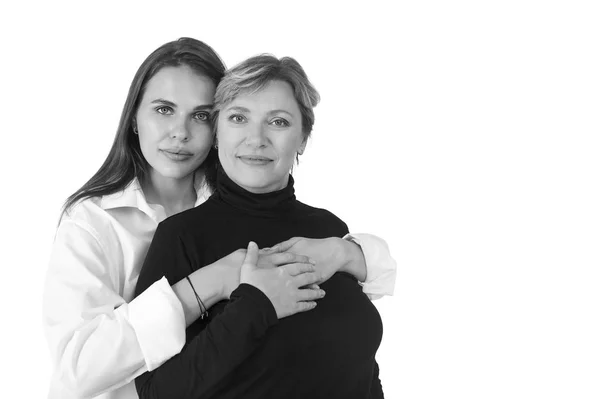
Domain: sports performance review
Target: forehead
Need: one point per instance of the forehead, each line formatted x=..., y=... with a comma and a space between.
x=180, y=84
x=275, y=95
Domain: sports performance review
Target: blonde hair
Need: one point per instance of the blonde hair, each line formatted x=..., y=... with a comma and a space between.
x=255, y=73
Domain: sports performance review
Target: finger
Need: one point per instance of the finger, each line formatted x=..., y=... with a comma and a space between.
x=305, y=306
x=286, y=245
x=313, y=286
x=267, y=251
x=304, y=279
x=310, y=295
x=288, y=257
x=295, y=269
x=251, y=254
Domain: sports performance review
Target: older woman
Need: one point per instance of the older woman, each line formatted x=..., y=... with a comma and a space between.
x=263, y=117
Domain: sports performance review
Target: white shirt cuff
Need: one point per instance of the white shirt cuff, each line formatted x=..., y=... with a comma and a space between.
x=158, y=320
x=381, y=267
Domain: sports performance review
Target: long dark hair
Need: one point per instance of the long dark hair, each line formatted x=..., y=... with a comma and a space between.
x=125, y=160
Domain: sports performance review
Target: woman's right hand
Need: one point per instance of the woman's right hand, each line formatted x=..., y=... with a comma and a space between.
x=290, y=287
x=229, y=267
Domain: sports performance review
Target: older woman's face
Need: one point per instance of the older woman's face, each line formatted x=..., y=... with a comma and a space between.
x=259, y=135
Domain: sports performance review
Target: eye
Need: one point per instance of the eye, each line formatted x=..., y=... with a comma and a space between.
x=164, y=110
x=280, y=122
x=201, y=116
x=237, y=118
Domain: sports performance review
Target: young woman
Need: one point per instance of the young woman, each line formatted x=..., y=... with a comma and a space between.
x=101, y=338
x=263, y=117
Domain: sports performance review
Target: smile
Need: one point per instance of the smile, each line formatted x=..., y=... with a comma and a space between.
x=255, y=160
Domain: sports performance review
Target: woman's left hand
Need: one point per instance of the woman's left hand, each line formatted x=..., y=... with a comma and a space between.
x=330, y=255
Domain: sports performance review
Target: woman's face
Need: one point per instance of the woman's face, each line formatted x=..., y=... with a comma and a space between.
x=259, y=135
x=173, y=122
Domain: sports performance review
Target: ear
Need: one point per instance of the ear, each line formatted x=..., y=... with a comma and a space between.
x=302, y=146
x=215, y=131
x=216, y=137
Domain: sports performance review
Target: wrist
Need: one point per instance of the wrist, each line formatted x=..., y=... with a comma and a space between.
x=222, y=276
x=226, y=272
x=354, y=260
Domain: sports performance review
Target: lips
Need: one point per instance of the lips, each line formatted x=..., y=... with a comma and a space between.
x=177, y=151
x=177, y=155
x=255, y=160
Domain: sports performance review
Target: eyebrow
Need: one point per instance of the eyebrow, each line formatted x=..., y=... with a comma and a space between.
x=172, y=104
x=244, y=109
x=237, y=108
x=276, y=111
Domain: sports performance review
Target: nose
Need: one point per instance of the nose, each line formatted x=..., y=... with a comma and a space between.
x=256, y=136
x=180, y=130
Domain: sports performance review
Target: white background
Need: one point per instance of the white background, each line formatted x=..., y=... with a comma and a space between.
x=465, y=133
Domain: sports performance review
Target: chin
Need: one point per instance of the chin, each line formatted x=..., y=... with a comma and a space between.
x=175, y=173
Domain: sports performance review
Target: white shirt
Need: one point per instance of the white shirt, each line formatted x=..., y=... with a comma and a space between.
x=100, y=338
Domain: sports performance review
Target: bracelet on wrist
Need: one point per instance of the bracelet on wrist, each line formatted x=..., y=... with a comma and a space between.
x=203, y=310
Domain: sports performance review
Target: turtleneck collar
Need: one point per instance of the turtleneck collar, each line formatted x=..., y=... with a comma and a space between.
x=266, y=204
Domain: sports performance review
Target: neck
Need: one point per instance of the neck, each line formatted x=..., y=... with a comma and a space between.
x=174, y=195
x=268, y=204
x=265, y=189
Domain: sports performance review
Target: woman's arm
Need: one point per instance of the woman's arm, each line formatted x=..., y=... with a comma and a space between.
x=381, y=267
x=215, y=352
x=365, y=256
x=212, y=283
x=217, y=281
x=223, y=343
x=98, y=342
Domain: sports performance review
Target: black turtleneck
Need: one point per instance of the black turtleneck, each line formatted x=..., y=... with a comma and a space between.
x=242, y=350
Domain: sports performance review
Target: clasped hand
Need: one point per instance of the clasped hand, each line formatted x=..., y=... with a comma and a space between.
x=287, y=279
x=328, y=254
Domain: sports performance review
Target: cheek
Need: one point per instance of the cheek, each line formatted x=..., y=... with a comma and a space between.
x=149, y=131
x=145, y=141
x=227, y=139
x=202, y=134
x=289, y=149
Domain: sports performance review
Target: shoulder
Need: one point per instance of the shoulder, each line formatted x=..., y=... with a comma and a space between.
x=87, y=215
x=87, y=230
x=105, y=217
x=324, y=215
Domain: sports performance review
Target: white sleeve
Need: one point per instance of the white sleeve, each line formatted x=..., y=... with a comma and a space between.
x=97, y=341
x=381, y=267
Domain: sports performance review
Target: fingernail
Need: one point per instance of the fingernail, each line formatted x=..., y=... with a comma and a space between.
x=311, y=261
x=322, y=293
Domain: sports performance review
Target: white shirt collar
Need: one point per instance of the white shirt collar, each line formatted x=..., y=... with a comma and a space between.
x=133, y=196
